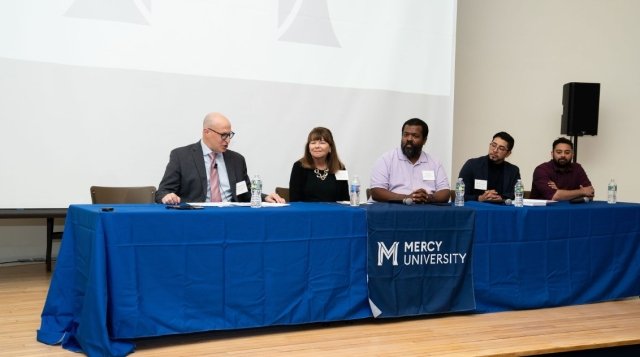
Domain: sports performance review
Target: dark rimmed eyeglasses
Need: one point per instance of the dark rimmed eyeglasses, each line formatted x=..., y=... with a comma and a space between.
x=224, y=136
x=495, y=146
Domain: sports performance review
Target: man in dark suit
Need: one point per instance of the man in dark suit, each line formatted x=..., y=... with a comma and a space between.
x=187, y=177
x=490, y=177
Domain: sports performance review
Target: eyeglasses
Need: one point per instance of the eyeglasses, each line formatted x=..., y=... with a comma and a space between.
x=500, y=148
x=224, y=136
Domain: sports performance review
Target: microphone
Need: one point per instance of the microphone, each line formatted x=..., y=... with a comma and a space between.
x=405, y=201
x=508, y=202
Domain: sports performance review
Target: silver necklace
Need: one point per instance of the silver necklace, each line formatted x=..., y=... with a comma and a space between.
x=322, y=175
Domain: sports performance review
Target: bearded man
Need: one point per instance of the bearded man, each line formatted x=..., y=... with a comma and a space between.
x=407, y=173
x=559, y=179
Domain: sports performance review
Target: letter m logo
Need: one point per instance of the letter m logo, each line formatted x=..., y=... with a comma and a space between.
x=392, y=253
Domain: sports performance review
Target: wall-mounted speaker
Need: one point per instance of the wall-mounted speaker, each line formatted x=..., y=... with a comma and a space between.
x=581, y=103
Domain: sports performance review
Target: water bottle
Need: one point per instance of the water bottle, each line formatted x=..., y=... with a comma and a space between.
x=459, y=202
x=612, y=192
x=256, y=192
x=354, y=192
x=518, y=191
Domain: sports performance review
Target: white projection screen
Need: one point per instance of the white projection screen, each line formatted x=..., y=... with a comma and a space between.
x=96, y=92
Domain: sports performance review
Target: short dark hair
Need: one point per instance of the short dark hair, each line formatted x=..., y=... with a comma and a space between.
x=561, y=140
x=506, y=137
x=417, y=122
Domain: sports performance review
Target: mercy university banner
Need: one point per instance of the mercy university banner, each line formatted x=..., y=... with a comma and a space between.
x=419, y=259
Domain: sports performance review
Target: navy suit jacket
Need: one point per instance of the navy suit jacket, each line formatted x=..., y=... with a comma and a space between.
x=186, y=175
x=478, y=169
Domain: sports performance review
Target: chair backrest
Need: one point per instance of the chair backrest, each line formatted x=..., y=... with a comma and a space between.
x=283, y=192
x=142, y=194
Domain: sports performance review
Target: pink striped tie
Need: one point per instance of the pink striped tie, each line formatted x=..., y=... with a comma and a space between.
x=214, y=180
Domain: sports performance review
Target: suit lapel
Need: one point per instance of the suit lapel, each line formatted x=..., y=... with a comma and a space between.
x=231, y=174
x=198, y=158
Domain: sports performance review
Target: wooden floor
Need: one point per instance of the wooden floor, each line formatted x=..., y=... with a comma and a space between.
x=23, y=291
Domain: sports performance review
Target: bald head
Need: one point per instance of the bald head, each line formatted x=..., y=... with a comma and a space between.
x=215, y=119
x=213, y=127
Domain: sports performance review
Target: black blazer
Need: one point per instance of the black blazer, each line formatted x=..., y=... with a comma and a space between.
x=186, y=175
x=478, y=168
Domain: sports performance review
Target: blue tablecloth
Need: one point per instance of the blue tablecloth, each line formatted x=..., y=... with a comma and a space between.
x=143, y=270
x=561, y=254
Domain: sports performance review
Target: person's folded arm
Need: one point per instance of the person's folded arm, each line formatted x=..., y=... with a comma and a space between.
x=442, y=196
x=541, y=184
x=566, y=195
x=380, y=194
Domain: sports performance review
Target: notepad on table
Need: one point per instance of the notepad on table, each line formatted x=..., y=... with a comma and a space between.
x=535, y=202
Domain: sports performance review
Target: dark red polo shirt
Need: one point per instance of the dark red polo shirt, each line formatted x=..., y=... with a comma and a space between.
x=566, y=178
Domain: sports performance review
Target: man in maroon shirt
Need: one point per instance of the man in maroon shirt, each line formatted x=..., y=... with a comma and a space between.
x=559, y=179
